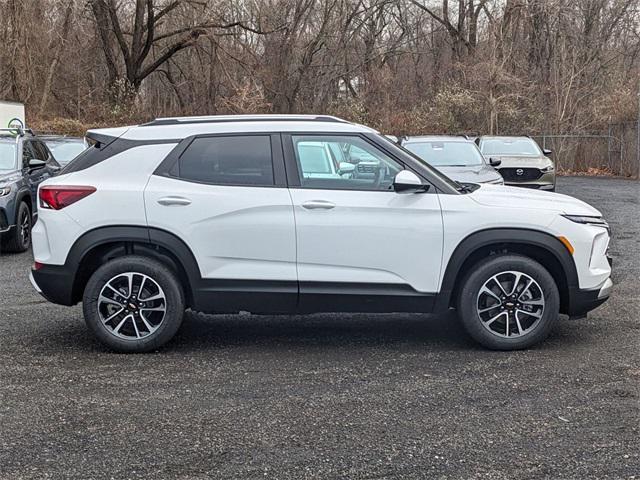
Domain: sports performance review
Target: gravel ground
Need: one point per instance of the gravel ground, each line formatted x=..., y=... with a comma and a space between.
x=327, y=396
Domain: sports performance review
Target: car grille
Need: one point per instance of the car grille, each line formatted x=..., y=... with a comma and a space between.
x=520, y=174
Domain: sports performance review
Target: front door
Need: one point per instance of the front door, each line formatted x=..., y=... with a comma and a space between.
x=361, y=246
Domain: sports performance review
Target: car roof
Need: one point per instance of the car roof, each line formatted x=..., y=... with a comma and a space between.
x=506, y=137
x=182, y=127
x=436, y=138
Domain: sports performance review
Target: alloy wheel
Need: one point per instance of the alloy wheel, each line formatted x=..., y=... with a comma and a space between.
x=510, y=304
x=132, y=306
x=25, y=228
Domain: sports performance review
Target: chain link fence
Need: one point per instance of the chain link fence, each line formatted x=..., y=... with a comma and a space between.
x=614, y=152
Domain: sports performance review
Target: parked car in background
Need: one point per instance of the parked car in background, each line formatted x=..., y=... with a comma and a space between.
x=25, y=161
x=65, y=148
x=228, y=213
x=522, y=162
x=455, y=156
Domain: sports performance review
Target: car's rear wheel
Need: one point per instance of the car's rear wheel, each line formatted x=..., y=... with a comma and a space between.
x=133, y=304
x=19, y=238
x=508, y=302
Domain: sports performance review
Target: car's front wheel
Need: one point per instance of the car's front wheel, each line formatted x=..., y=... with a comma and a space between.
x=133, y=304
x=508, y=302
x=19, y=238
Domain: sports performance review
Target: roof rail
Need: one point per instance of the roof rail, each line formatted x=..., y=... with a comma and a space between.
x=242, y=118
x=19, y=130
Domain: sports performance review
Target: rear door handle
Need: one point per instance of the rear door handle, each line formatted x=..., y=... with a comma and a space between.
x=318, y=205
x=174, y=201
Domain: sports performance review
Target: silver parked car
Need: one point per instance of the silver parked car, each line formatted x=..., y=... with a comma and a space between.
x=65, y=148
x=522, y=162
x=455, y=156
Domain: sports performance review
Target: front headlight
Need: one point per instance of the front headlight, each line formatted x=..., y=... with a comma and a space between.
x=547, y=169
x=5, y=191
x=588, y=220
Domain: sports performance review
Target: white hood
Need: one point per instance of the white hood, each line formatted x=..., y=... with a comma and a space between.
x=518, y=197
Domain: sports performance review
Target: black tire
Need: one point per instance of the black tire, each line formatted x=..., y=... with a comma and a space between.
x=162, y=276
x=467, y=303
x=18, y=239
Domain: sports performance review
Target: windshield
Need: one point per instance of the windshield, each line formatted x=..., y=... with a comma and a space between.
x=447, y=154
x=64, y=152
x=510, y=146
x=7, y=156
x=434, y=171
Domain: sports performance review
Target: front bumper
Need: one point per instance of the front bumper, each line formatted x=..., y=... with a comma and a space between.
x=583, y=301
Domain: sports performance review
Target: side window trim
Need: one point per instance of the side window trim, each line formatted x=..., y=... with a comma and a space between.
x=170, y=166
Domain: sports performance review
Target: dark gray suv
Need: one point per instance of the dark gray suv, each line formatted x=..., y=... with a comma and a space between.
x=25, y=161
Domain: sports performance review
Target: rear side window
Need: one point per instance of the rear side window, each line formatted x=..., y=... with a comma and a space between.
x=232, y=160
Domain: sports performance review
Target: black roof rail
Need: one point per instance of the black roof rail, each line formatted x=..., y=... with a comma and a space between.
x=19, y=131
x=241, y=118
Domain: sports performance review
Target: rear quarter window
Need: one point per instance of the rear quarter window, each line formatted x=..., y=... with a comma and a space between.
x=228, y=160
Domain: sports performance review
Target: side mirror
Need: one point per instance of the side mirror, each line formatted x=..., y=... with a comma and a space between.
x=35, y=164
x=495, y=162
x=547, y=152
x=346, y=167
x=408, y=182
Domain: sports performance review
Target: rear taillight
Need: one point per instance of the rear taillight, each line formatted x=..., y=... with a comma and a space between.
x=37, y=266
x=56, y=197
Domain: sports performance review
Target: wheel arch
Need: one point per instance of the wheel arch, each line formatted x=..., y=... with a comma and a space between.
x=104, y=243
x=542, y=247
x=23, y=196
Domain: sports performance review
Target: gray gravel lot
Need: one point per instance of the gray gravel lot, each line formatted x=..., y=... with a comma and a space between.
x=327, y=396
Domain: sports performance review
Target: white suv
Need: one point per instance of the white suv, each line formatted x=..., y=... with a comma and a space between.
x=217, y=214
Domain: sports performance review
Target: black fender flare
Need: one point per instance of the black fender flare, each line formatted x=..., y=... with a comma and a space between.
x=503, y=237
x=145, y=239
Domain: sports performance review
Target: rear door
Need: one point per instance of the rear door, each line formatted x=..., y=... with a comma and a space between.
x=225, y=196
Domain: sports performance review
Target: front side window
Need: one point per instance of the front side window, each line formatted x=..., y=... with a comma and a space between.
x=343, y=162
x=232, y=160
x=510, y=146
x=447, y=154
x=27, y=154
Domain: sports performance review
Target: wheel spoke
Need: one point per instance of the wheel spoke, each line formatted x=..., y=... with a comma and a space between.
x=111, y=317
x=518, y=276
x=155, y=297
x=484, y=310
x=495, y=279
x=147, y=324
x=102, y=298
x=532, y=314
x=518, y=324
x=152, y=309
x=135, y=326
x=117, y=329
x=488, y=291
x=130, y=283
x=493, y=319
x=539, y=302
x=117, y=292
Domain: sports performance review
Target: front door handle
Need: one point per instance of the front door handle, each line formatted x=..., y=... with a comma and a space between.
x=318, y=205
x=174, y=201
